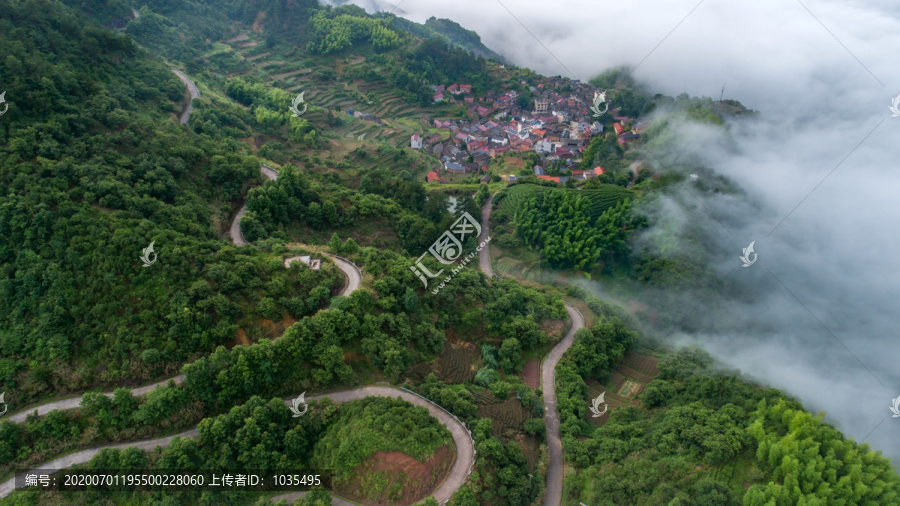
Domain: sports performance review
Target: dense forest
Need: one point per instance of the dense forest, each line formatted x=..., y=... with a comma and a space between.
x=96, y=166
x=703, y=436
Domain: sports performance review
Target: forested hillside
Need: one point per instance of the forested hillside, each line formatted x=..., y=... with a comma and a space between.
x=96, y=166
x=695, y=433
x=96, y=170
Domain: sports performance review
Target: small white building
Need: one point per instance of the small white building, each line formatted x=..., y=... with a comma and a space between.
x=415, y=142
x=312, y=263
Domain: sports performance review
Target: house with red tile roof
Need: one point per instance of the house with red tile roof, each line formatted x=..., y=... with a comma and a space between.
x=618, y=128
x=465, y=88
x=453, y=88
x=432, y=176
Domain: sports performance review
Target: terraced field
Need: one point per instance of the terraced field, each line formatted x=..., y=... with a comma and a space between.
x=613, y=401
x=485, y=397
x=630, y=373
x=643, y=363
x=294, y=74
x=625, y=383
x=508, y=414
x=600, y=199
x=458, y=363
x=509, y=267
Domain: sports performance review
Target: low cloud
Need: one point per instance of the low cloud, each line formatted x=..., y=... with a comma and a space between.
x=820, y=317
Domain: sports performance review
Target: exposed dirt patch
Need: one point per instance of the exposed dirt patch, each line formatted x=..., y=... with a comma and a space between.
x=531, y=373
x=396, y=478
x=554, y=329
x=352, y=357
x=514, y=163
x=240, y=38
x=267, y=329
x=257, y=23
x=241, y=338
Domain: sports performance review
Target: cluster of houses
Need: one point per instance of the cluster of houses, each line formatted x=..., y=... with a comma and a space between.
x=559, y=127
x=452, y=90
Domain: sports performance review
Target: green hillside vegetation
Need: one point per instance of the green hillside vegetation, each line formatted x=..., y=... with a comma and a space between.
x=568, y=228
x=378, y=424
x=449, y=31
x=393, y=327
x=95, y=170
x=96, y=166
x=703, y=436
x=258, y=434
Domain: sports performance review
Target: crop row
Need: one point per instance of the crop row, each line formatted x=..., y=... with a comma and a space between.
x=457, y=363
x=630, y=373
x=485, y=397
x=642, y=363
x=507, y=415
x=599, y=199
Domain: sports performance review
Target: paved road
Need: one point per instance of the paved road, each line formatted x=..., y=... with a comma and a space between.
x=350, y=270
x=553, y=495
x=192, y=89
x=354, y=275
x=484, y=257
x=236, y=236
x=85, y=455
x=462, y=466
x=75, y=402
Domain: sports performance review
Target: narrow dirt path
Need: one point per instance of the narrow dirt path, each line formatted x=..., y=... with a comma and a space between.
x=192, y=89
x=553, y=494
x=462, y=466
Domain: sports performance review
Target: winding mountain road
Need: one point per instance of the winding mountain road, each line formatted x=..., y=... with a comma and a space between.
x=553, y=493
x=462, y=466
x=350, y=270
x=75, y=402
x=353, y=273
x=237, y=237
x=192, y=89
x=464, y=446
